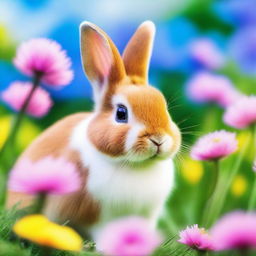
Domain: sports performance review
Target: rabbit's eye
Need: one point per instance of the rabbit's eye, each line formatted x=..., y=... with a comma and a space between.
x=121, y=114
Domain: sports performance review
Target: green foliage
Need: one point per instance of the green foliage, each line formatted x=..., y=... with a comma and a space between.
x=11, y=249
x=11, y=245
x=187, y=204
x=200, y=12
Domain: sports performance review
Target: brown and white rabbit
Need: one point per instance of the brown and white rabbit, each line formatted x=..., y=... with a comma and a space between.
x=124, y=148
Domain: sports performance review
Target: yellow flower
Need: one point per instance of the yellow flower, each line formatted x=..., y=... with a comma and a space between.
x=243, y=138
x=4, y=36
x=239, y=186
x=7, y=43
x=28, y=131
x=4, y=129
x=40, y=230
x=192, y=170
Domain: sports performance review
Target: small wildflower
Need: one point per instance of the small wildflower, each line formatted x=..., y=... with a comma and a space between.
x=28, y=132
x=214, y=146
x=45, y=57
x=40, y=230
x=239, y=186
x=196, y=238
x=17, y=93
x=128, y=237
x=241, y=113
x=49, y=175
x=207, y=53
x=205, y=87
x=192, y=170
x=254, y=166
x=236, y=230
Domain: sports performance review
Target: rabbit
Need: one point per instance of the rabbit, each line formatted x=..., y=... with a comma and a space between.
x=123, y=149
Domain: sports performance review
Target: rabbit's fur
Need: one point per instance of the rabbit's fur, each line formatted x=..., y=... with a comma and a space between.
x=125, y=165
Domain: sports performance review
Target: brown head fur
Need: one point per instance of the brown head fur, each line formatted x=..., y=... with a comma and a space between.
x=112, y=75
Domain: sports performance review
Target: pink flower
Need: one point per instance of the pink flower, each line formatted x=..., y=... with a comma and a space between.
x=241, y=113
x=206, y=87
x=128, y=237
x=206, y=52
x=48, y=175
x=214, y=146
x=197, y=238
x=18, y=92
x=236, y=230
x=254, y=166
x=46, y=57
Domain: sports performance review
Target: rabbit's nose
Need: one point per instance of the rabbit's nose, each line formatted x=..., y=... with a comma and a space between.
x=156, y=142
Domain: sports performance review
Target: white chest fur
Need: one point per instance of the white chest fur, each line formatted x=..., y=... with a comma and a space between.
x=123, y=190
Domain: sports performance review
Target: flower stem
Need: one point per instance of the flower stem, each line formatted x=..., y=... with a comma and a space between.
x=252, y=200
x=18, y=120
x=254, y=140
x=39, y=203
x=222, y=190
x=216, y=170
x=208, y=205
x=7, y=156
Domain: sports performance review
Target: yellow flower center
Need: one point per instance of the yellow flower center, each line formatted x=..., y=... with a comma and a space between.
x=216, y=140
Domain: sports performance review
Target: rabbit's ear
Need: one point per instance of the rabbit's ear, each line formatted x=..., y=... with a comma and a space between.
x=101, y=60
x=137, y=53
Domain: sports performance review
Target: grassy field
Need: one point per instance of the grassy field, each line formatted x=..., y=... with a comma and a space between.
x=204, y=192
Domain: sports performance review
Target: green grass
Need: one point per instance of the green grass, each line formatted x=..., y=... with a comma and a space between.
x=11, y=245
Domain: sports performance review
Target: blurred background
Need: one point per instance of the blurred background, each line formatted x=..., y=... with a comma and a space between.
x=225, y=31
